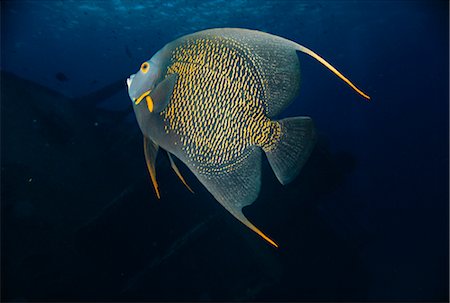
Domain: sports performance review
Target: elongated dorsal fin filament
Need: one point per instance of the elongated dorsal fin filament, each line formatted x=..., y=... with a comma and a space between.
x=330, y=67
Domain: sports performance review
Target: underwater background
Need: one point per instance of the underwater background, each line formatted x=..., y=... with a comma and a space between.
x=366, y=219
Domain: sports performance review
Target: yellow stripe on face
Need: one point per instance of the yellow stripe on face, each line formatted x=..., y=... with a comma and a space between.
x=149, y=103
x=138, y=100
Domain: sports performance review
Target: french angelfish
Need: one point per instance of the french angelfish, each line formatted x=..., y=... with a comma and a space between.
x=210, y=97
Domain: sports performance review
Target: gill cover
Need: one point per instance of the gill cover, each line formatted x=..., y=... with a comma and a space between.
x=161, y=95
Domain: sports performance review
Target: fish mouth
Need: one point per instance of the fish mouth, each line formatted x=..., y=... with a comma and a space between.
x=138, y=100
x=129, y=80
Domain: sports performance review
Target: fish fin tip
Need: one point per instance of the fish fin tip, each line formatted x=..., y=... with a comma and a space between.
x=309, y=52
x=156, y=187
x=265, y=237
x=177, y=172
x=241, y=217
x=151, y=152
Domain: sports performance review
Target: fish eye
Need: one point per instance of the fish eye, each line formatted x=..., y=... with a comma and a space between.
x=145, y=67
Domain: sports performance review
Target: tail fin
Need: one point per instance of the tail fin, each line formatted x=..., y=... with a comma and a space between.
x=330, y=67
x=290, y=153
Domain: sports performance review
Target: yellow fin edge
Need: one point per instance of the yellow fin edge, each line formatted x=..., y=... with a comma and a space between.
x=330, y=67
x=176, y=170
x=262, y=235
x=151, y=170
x=240, y=216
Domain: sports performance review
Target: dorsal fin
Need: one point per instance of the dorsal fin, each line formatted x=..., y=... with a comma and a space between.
x=275, y=60
x=330, y=67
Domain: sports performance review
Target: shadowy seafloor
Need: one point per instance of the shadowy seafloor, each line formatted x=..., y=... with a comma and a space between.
x=71, y=221
x=366, y=219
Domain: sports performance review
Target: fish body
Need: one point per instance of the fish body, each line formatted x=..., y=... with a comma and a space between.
x=211, y=98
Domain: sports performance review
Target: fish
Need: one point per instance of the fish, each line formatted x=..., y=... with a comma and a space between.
x=210, y=99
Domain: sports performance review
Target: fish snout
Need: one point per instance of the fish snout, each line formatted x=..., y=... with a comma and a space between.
x=130, y=80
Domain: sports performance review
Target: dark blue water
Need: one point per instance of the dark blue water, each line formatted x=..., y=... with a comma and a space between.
x=366, y=219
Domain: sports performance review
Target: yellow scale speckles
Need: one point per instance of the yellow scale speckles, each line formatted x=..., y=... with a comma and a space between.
x=218, y=105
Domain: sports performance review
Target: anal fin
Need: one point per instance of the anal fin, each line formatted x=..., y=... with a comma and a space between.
x=151, y=151
x=240, y=216
x=238, y=187
x=177, y=171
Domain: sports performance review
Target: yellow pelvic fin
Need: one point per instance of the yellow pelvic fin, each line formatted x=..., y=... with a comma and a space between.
x=175, y=168
x=138, y=100
x=330, y=67
x=150, y=159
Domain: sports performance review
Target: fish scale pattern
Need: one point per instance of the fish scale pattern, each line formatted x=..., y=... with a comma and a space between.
x=218, y=104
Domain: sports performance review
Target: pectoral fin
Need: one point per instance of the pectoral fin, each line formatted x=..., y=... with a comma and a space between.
x=175, y=169
x=151, y=151
x=159, y=97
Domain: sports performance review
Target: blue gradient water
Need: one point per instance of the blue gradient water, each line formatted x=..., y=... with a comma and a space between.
x=367, y=219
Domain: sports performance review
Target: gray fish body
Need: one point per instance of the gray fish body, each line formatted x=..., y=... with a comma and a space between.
x=270, y=63
x=211, y=97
